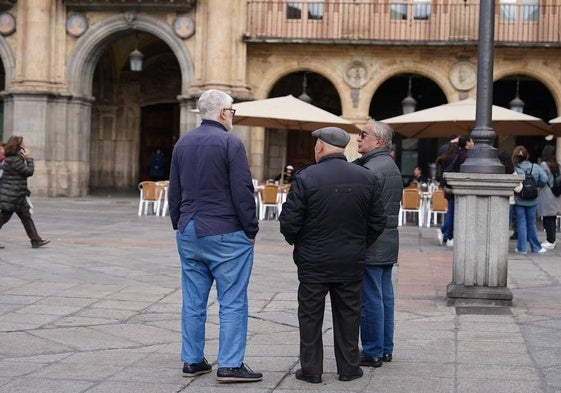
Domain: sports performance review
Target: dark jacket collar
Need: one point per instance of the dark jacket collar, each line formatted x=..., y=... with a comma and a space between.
x=382, y=151
x=333, y=156
x=214, y=123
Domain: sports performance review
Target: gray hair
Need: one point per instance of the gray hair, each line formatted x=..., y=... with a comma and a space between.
x=382, y=131
x=211, y=102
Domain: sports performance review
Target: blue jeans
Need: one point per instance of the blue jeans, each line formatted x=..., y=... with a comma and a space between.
x=228, y=260
x=526, y=228
x=447, y=227
x=377, y=314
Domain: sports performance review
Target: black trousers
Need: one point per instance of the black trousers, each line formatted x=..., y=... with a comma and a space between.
x=549, y=226
x=345, y=304
x=26, y=220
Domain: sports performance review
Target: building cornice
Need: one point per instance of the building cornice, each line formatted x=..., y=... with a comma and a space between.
x=127, y=5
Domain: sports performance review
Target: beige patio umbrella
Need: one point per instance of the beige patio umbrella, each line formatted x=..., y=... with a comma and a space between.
x=555, y=125
x=459, y=118
x=287, y=113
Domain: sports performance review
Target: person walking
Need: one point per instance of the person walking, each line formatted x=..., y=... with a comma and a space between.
x=445, y=233
x=377, y=314
x=14, y=194
x=548, y=203
x=212, y=208
x=332, y=214
x=526, y=209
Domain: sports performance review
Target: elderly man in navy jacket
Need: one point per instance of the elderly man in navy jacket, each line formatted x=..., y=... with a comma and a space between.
x=332, y=214
x=212, y=208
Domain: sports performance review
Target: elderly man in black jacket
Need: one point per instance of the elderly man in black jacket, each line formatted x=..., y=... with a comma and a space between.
x=332, y=214
x=377, y=319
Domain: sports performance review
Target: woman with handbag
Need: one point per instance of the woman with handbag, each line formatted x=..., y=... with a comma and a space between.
x=14, y=193
x=548, y=203
x=525, y=208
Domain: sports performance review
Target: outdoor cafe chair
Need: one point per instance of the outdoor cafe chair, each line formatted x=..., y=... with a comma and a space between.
x=150, y=196
x=410, y=203
x=438, y=205
x=269, y=201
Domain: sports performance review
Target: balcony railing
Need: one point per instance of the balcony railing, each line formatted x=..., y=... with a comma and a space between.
x=404, y=22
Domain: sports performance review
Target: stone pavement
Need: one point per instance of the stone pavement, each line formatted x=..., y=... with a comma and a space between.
x=98, y=310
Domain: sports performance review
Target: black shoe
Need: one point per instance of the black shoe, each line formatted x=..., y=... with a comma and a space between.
x=346, y=378
x=238, y=374
x=39, y=243
x=514, y=236
x=368, y=361
x=308, y=378
x=194, y=369
x=387, y=357
x=2, y=246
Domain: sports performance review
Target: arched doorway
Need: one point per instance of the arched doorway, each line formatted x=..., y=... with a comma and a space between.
x=298, y=145
x=387, y=102
x=111, y=96
x=538, y=101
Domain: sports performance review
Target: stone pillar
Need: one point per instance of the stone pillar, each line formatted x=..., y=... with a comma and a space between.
x=34, y=28
x=225, y=58
x=481, y=235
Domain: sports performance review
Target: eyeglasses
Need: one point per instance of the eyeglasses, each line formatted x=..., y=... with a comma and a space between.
x=231, y=110
x=363, y=134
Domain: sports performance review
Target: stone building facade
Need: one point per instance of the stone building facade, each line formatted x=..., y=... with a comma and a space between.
x=91, y=123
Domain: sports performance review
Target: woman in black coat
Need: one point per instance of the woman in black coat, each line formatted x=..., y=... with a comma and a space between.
x=14, y=193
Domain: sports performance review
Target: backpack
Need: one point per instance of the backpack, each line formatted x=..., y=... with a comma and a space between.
x=556, y=187
x=529, y=186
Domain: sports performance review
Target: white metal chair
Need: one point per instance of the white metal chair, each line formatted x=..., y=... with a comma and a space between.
x=410, y=203
x=269, y=200
x=163, y=185
x=150, y=194
x=438, y=205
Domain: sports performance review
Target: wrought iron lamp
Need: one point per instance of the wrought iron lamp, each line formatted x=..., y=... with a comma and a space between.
x=304, y=96
x=408, y=104
x=517, y=104
x=136, y=57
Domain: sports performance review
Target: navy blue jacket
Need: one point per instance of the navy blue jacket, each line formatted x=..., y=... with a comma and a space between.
x=210, y=183
x=333, y=212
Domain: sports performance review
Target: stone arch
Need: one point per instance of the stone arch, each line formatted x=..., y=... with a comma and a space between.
x=540, y=75
x=389, y=72
x=8, y=61
x=272, y=77
x=89, y=48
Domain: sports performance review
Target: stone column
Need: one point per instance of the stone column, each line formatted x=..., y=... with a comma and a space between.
x=481, y=235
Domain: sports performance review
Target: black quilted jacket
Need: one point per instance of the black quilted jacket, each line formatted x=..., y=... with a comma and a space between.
x=14, y=183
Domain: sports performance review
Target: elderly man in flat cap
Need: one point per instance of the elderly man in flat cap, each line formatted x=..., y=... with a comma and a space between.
x=332, y=215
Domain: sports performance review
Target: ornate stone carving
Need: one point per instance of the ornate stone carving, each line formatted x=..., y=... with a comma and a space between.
x=7, y=24
x=76, y=25
x=184, y=26
x=356, y=74
x=463, y=75
x=129, y=16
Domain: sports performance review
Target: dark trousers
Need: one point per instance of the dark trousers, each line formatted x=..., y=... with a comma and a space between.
x=26, y=220
x=549, y=226
x=345, y=303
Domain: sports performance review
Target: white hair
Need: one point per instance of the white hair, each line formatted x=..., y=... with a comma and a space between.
x=382, y=131
x=211, y=102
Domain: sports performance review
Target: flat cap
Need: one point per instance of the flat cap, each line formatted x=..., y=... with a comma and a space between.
x=333, y=135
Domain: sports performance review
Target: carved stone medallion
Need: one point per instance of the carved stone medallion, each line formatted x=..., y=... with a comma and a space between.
x=356, y=74
x=76, y=25
x=7, y=23
x=463, y=75
x=184, y=26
